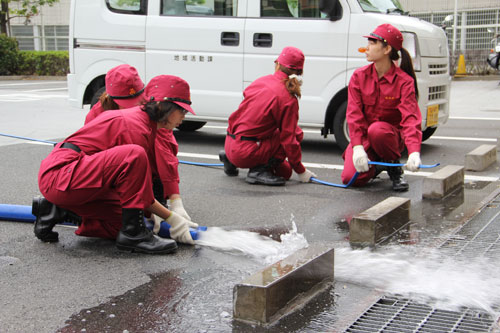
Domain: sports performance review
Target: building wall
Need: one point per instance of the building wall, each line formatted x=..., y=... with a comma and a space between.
x=46, y=31
x=443, y=5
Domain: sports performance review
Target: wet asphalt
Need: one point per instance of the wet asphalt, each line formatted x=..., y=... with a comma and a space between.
x=86, y=284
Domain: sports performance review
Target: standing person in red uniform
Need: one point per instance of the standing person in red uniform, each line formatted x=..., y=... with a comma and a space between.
x=124, y=89
x=382, y=111
x=263, y=134
x=103, y=171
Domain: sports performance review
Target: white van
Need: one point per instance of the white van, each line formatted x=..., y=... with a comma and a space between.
x=221, y=46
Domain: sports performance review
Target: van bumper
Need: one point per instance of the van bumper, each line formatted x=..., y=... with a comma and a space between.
x=73, y=98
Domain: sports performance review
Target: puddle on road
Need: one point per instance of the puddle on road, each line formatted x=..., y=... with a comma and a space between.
x=199, y=299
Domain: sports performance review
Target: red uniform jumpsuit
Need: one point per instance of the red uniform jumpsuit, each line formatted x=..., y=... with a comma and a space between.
x=166, y=149
x=112, y=171
x=270, y=114
x=383, y=116
x=166, y=154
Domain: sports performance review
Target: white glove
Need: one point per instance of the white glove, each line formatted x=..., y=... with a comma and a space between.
x=179, y=228
x=177, y=206
x=413, y=163
x=359, y=158
x=305, y=177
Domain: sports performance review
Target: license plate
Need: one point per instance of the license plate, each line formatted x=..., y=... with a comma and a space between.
x=432, y=115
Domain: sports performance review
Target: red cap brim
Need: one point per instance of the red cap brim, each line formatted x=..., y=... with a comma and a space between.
x=185, y=106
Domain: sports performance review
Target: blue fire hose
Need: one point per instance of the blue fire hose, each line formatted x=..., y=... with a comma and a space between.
x=21, y=213
x=313, y=179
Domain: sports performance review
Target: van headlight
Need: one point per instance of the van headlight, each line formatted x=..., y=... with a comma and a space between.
x=410, y=43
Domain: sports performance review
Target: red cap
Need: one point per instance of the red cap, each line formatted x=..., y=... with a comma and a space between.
x=291, y=57
x=124, y=86
x=169, y=88
x=389, y=34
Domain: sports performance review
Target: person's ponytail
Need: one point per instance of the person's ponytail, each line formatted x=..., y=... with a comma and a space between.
x=107, y=102
x=293, y=83
x=406, y=65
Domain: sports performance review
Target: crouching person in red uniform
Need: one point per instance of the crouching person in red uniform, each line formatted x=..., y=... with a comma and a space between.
x=382, y=111
x=103, y=171
x=263, y=134
x=124, y=89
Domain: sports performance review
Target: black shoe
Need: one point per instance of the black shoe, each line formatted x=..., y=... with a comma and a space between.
x=47, y=216
x=379, y=169
x=263, y=175
x=399, y=184
x=229, y=168
x=135, y=237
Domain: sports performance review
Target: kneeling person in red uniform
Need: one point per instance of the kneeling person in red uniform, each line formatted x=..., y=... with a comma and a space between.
x=104, y=170
x=382, y=111
x=124, y=89
x=263, y=134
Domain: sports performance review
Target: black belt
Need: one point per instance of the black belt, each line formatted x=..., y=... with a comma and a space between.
x=71, y=146
x=243, y=138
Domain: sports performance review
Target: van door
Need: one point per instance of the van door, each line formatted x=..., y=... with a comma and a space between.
x=299, y=23
x=202, y=42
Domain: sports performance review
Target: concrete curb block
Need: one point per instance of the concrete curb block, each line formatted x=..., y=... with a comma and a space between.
x=284, y=287
x=481, y=158
x=379, y=221
x=443, y=182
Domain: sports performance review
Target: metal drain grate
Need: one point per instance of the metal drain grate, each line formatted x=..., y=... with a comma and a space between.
x=400, y=315
x=478, y=237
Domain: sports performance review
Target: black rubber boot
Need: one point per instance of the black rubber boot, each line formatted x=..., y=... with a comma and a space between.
x=229, y=168
x=135, y=237
x=263, y=175
x=379, y=169
x=47, y=216
x=399, y=184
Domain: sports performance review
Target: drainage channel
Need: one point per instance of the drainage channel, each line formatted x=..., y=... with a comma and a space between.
x=478, y=238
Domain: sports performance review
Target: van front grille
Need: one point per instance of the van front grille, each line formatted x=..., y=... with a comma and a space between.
x=438, y=69
x=437, y=92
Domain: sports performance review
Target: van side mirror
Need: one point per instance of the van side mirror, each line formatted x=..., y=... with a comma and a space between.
x=332, y=8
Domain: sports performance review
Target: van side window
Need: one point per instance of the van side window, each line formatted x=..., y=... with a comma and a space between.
x=127, y=6
x=199, y=7
x=291, y=8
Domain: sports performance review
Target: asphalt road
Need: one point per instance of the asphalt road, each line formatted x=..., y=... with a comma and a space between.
x=50, y=287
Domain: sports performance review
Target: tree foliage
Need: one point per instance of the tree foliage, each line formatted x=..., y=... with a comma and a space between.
x=20, y=8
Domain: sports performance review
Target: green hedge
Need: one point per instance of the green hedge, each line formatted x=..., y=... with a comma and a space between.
x=16, y=62
x=43, y=63
x=8, y=55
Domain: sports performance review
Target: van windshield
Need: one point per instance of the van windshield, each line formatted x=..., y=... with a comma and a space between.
x=381, y=6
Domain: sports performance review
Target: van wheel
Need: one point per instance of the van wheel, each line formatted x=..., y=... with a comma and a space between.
x=340, y=128
x=190, y=126
x=96, y=96
x=427, y=133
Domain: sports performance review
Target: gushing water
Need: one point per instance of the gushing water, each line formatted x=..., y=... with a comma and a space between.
x=261, y=248
x=442, y=282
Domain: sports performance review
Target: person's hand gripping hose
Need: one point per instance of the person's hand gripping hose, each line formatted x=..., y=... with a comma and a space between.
x=177, y=206
x=305, y=177
x=413, y=163
x=179, y=230
x=360, y=158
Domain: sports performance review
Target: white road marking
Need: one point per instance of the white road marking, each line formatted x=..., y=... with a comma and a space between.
x=461, y=138
x=28, y=97
x=473, y=118
x=340, y=167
